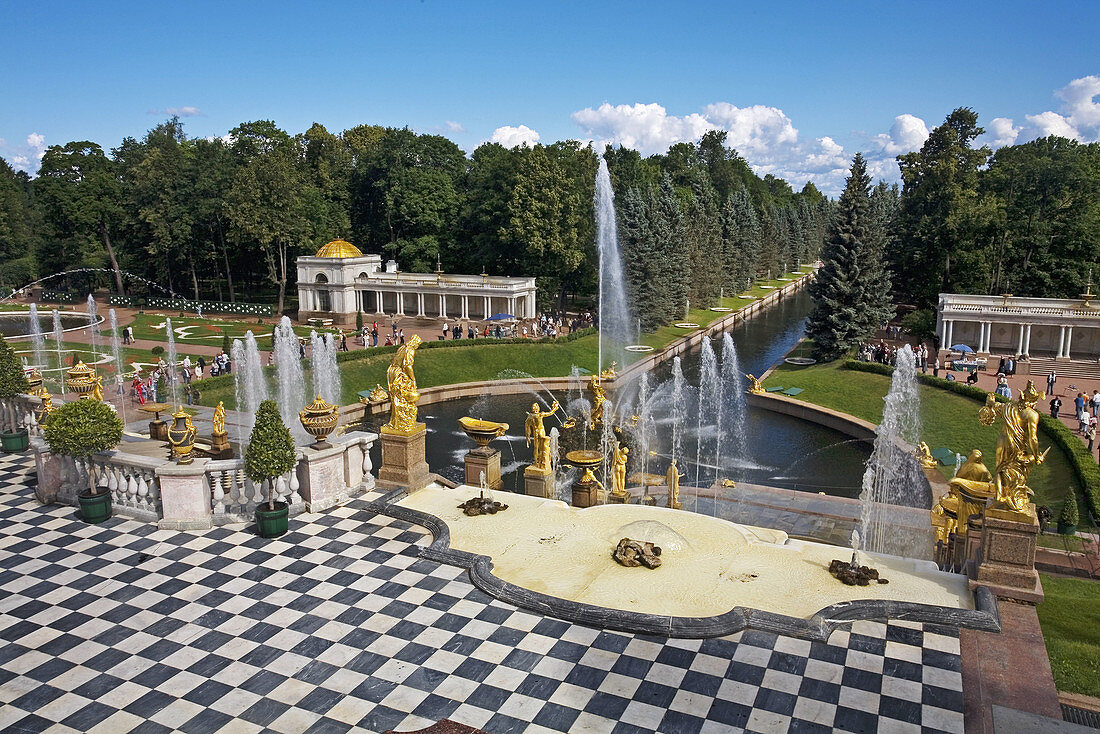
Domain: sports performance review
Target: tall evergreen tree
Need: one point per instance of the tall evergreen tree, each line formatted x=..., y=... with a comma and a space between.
x=666, y=221
x=837, y=321
x=882, y=210
x=741, y=240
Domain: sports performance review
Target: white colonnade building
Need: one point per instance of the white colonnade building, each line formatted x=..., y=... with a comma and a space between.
x=1062, y=328
x=340, y=281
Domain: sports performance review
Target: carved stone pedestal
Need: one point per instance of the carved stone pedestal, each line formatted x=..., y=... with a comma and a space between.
x=1005, y=560
x=618, y=499
x=403, y=461
x=483, y=459
x=585, y=494
x=537, y=483
x=158, y=430
x=219, y=446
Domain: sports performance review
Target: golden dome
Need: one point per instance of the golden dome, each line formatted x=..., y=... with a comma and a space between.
x=339, y=248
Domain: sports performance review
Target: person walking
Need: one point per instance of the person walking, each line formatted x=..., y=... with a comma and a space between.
x=936, y=368
x=1094, y=402
x=1079, y=407
x=1090, y=432
x=1055, y=406
x=1051, y=379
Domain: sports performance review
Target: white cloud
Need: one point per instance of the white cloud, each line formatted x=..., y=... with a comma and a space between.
x=185, y=111
x=1079, y=118
x=645, y=127
x=34, y=140
x=1079, y=96
x=1049, y=123
x=1000, y=132
x=908, y=133
x=26, y=157
x=454, y=127
x=510, y=137
x=753, y=129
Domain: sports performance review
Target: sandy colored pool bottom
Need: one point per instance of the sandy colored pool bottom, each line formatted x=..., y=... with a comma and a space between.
x=709, y=565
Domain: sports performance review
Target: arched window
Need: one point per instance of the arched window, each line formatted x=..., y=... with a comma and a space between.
x=321, y=278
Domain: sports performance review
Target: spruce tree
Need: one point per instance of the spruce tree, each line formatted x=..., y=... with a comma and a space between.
x=837, y=321
x=882, y=212
x=640, y=260
x=671, y=257
x=741, y=240
x=704, y=242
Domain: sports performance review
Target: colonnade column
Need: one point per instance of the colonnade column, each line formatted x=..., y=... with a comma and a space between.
x=1027, y=341
x=378, y=298
x=488, y=307
x=303, y=299
x=419, y=304
x=512, y=305
x=948, y=329
x=987, y=330
x=1069, y=340
x=1020, y=346
x=1061, y=342
x=465, y=307
x=442, y=306
x=400, y=303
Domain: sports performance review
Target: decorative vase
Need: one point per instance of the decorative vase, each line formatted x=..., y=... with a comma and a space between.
x=319, y=419
x=95, y=508
x=482, y=431
x=272, y=523
x=181, y=435
x=80, y=379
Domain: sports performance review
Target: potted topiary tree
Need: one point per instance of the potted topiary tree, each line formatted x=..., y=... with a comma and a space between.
x=79, y=429
x=1067, y=521
x=269, y=455
x=13, y=381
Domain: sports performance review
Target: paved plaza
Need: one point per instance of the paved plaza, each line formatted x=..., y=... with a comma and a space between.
x=340, y=626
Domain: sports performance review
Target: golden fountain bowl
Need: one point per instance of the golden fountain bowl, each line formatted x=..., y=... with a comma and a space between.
x=584, y=458
x=482, y=431
x=319, y=418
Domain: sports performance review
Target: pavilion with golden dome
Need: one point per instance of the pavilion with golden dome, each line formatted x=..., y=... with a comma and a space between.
x=340, y=281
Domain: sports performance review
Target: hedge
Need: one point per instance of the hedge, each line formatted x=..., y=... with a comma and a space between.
x=1084, y=465
x=174, y=304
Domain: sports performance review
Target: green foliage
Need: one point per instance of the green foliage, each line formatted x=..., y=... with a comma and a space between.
x=157, y=350
x=13, y=381
x=359, y=321
x=920, y=323
x=1070, y=620
x=227, y=345
x=1069, y=514
x=82, y=427
x=270, y=452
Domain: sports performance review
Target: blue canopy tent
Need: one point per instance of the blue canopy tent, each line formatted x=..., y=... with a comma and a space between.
x=501, y=317
x=962, y=348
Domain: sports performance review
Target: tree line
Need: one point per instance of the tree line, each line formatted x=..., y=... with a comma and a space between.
x=1024, y=220
x=225, y=218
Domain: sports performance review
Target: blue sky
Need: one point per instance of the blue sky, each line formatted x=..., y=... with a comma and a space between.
x=800, y=86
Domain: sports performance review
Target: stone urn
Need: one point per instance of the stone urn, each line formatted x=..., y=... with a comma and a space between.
x=181, y=436
x=481, y=431
x=80, y=378
x=319, y=419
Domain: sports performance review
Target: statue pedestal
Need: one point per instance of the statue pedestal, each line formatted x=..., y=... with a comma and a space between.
x=219, y=446
x=618, y=499
x=1005, y=559
x=538, y=483
x=648, y=499
x=158, y=430
x=403, y=461
x=585, y=494
x=483, y=459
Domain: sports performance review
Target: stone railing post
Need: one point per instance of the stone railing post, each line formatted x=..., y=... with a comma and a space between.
x=185, y=496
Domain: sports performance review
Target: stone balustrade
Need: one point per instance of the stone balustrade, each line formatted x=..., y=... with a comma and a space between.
x=19, y=412
x=207, y=492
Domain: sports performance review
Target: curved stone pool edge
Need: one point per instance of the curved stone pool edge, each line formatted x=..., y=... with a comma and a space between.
x=984, y=617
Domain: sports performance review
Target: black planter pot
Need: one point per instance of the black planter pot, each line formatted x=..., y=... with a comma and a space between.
x=95, y=508
x=14, y=442
x=1066, y=529
x=272, y=523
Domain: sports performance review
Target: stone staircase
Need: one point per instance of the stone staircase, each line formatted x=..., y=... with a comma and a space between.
x=1074, y=368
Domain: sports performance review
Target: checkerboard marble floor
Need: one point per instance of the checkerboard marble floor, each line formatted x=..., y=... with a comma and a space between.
x=340, y=626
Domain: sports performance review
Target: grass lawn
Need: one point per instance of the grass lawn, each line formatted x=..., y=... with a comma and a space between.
x=947, y=419
x=207, y=331
x=1070, y=618
x=446, y=366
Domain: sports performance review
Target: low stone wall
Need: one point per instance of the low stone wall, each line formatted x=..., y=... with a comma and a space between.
x=844, y=423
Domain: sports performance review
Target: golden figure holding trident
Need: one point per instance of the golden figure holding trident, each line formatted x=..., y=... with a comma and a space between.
x=402, y=388
x=534, y=430
x=1017, y=448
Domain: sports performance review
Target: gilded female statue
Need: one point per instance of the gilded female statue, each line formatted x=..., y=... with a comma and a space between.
x=219, y=419
x=618, y=469
x=534, y=430
x=1017, y=447
x=598, y=399
x=672, y=478
x=402, y=388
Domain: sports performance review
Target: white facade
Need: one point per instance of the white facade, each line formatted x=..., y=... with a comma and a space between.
x=339, y=287
x=1064, y=328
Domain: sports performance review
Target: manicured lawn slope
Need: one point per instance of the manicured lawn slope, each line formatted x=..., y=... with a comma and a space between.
x=947, y=420
x=1070, y=617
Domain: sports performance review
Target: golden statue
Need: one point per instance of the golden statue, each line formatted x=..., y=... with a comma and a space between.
x=754, y=386
x=924, y=456
x=97, y=389
x=971, y=486
x=1017, y=450
x=534, y=430
x=672, y=479
x=598, y=399
x=219, y=419
x=619, y=455
x=378, y=394
x=610, y=373
x=402, y=388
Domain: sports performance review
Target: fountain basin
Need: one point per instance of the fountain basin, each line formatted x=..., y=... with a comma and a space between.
x=17, y=323
x=549, y=548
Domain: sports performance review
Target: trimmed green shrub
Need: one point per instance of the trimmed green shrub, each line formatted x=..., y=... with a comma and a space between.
x=358, y=320
x=13, y=381
x=157, y=350
x=1069, y=514
x=81, y=428
x=270, y=452
x=227, y=346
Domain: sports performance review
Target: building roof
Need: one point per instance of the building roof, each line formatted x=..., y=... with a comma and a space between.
x=339, y=248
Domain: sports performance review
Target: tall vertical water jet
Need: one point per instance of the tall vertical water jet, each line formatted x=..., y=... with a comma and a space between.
x=116, y=357
x=38, y=340
x=290, y=383
x=326, y=374
x=93, y=328
x=710, y=398
x=59, y=342
x=172, y=378
x=732, y=422
x=614, y=315
x=248, y=381
x=679, y=410
x=893, y=476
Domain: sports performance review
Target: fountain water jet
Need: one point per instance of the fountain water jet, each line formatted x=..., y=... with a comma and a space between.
x=731, y=420
x=290, y=383
x=59, y=341
x=326, y=375
x=615, y=325
x=248, y=381
x=172, y=377
x=93, y=327
x=38, y=340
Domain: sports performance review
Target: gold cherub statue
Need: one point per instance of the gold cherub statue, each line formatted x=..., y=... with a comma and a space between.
x=378, y=394
x=402, y=388
x=1017, y=450
x=924, y=456
x=754, y=385
x=97, y=390
x=971, y=486
x=534, y=430
x=610, y=373
x=599, y=397
x=219, y=419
